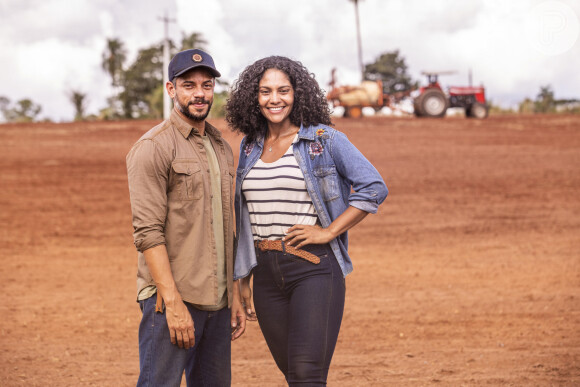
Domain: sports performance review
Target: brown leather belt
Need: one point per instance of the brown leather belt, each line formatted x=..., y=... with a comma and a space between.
x=268, y=245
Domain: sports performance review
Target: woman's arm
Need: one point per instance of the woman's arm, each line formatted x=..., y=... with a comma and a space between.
x=246, y=294
x=368, y=187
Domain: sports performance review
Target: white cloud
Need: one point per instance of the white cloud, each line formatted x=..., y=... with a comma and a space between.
x=53, y=46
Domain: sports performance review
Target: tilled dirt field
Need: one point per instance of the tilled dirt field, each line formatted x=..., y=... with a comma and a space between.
x=468, y=275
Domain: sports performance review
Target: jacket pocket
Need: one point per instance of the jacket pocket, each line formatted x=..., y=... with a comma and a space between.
x=188, y=179
x=327, y=181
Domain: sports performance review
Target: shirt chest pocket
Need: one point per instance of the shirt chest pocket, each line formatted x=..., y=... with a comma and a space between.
x=327, y=181
x=187, y=180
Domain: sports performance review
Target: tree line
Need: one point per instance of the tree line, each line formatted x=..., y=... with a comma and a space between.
x=138, y=86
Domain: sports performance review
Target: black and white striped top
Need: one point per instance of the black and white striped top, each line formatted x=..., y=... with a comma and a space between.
x=277, y=197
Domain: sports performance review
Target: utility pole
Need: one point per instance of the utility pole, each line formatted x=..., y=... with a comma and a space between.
x=360, y=60
x=166, y=100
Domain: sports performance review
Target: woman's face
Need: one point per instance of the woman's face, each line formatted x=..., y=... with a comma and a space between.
x=275, y=96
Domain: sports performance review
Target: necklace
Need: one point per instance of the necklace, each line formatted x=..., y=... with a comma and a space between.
x=276, y=140
x=272, y=143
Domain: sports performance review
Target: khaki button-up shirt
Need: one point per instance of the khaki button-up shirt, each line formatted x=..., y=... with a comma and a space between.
x=170, y=190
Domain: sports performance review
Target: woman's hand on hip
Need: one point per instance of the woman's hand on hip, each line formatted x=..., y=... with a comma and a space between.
x=301, y=235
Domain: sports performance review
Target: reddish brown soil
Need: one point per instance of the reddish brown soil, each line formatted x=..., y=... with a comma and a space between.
x=469, y=274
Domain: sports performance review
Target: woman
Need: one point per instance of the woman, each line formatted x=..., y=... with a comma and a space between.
x=293, y=206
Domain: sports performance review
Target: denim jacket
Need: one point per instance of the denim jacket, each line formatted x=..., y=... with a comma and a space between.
x=331, y=166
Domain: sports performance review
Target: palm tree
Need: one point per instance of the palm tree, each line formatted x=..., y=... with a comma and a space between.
x=114, y=57
x=194, y=40
x=79, y=101
x=545, y=101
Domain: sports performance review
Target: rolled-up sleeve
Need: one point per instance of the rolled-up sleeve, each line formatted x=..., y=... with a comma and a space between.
x=148, y=174
x=369, y=187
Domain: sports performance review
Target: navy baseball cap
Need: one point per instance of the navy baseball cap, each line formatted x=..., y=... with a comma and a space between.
x=186, y=60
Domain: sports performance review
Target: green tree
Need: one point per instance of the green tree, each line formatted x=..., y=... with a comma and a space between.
x=218, y=108
x=140, y=81
x=193, y=40
x=113, y=60
x=155, y=101
x=526, y=106
x=113, y=63
x=545, y=102
x=25, y=110
x=4, y=106
x=79, y=101
x=196, y=40
x=140, y=85
x=391, y=68
x=568, y=105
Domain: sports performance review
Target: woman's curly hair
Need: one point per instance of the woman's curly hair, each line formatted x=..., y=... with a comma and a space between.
x=242, y=111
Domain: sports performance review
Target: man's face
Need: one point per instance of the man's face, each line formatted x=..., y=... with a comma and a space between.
x=193, y=94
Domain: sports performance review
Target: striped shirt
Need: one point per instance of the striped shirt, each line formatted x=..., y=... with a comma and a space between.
x=277, y=197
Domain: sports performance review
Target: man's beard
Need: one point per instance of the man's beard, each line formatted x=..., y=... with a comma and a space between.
x=194, y=117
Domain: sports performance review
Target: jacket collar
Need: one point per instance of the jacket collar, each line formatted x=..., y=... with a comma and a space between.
x=185, y=129
x=305, y=133
x=308, y=132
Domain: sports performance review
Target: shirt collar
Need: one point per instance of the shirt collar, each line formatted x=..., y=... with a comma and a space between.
x=185, y=129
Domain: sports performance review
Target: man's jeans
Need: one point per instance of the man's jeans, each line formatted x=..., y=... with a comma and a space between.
x=299, y=307
x=208, y=363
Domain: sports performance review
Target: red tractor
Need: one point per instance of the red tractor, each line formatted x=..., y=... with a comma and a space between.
x=432, y=101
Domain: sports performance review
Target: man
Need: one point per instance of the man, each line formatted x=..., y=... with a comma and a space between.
x=180, y=181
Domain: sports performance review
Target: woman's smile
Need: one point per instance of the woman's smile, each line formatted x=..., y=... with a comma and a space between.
x=275, y=110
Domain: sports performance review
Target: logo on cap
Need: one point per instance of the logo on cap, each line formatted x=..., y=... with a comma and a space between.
x=197, y=58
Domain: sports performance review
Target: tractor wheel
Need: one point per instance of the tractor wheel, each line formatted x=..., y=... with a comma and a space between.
x=432, y=103
x=416, y=107
x=353, y=112
x=477, y=110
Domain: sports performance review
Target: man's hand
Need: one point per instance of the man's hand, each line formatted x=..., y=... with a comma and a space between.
x=180, y=323
x=179, y=319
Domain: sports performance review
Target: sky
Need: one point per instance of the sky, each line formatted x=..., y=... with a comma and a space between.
x=512, y=47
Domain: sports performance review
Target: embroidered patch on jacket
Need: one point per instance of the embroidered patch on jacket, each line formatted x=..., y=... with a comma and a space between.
x=248, y=148
x=320, y=132
x=315, y=149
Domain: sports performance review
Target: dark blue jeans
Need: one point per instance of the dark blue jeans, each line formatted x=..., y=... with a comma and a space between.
x=208, y=363
x=299, y=307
